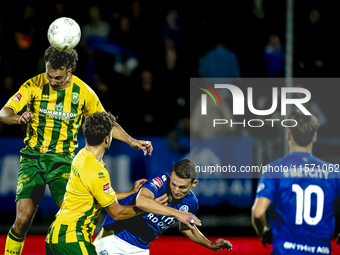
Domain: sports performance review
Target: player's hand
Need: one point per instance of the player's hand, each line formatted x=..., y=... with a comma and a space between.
x=163, y=200
x=138, y=184
x=267, y=237
x=26, y=117
x=221, y=244
x=188, y=219
x=145, y=146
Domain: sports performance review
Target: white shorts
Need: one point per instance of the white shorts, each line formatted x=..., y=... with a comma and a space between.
x=113, y=245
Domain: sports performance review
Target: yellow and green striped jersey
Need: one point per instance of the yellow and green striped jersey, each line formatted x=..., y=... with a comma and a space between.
x=57, y=114
x=88, y=190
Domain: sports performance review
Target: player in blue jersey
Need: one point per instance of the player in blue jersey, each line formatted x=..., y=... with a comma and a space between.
x=134, y=236
x=299, y=190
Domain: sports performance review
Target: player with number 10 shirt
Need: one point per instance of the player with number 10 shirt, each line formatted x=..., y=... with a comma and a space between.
x=300, y=201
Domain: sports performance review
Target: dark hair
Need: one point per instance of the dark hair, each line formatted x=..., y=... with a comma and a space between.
x=59, y=59
x=305, y=129
x=185, y=169
x=97, y=126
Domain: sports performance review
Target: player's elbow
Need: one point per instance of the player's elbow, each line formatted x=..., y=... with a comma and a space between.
x=258, y=212
x=118, y=215
x=116, y=211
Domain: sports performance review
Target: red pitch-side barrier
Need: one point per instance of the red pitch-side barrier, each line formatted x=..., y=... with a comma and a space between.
x=170, y=245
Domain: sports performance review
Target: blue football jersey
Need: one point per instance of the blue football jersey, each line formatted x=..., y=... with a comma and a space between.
x=302, y=189
x=145, y=228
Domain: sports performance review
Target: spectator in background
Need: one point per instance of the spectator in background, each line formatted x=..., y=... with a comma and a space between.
x=173, y=35
x=144, y=91
x=127, y=61
x=274, y=57
x=97, y=30
x=219, y=62
x=311, y=46
x=108, y=51
x=22, y=44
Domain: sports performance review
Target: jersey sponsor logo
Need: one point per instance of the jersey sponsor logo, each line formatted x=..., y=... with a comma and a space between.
x=260, y=187
x=58, y=114
x=17, y=97
x=103, y=252
x=164, y=178
x=184, y=208
x=106, y=188
x=101, y=175
x=306, y=248
x=157, y=181
x=75, y=97
x=164, y=222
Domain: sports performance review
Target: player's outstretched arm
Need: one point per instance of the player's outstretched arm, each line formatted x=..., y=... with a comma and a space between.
x=145, y=201
x=8, y=116
x=122, y=212
x=196, y=236
x=259, y=221
x=119, y=134
x=138, y=184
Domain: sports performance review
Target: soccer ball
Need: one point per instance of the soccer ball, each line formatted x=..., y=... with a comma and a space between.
x=64, y=34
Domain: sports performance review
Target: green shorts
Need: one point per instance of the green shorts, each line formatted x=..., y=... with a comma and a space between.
x=38, y=169
x=78, y=248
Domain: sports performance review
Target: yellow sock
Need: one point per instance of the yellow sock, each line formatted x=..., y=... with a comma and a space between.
x=14, y=243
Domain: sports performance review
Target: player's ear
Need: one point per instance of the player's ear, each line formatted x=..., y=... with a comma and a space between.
x=69, y=72
x=315, y=137
x=107, y=139
x=194, y=183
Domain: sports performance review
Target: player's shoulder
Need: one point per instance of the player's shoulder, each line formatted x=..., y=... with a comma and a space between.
x=82, y=85
x=36, y=82
x=157, y=182
x=191, y=201
x=86, y=162
x=160, y=178
x=192, y=197
x=165, y=176
x=320, y=161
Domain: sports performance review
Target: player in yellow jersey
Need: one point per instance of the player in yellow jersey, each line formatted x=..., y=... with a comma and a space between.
x=87, y=192
x=56, y=102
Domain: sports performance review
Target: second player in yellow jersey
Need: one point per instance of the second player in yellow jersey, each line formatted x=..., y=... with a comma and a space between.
x=88, y=190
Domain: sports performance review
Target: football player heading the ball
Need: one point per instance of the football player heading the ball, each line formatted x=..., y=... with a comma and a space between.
x=133, y=236
x=56, y=103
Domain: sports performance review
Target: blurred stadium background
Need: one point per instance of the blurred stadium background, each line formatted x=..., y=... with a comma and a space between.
x=138, y=56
